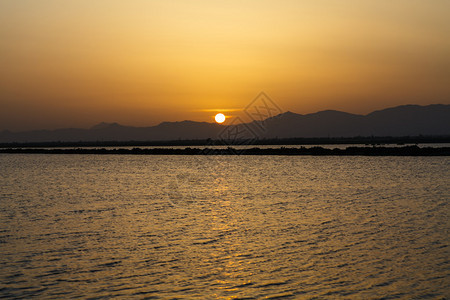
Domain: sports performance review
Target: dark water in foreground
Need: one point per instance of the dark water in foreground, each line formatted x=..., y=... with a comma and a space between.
x=157, y=227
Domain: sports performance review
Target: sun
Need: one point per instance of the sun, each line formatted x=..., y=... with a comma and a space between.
x=220, y=118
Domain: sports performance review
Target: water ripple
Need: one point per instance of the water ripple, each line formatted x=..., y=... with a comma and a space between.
x=224, y=227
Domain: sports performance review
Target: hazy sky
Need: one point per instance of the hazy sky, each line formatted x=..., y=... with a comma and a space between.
x=75, y=63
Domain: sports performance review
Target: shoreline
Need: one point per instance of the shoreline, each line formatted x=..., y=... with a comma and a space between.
x=283, y=151
x=362, y=141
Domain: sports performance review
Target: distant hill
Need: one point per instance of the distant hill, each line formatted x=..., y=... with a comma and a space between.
x=407, y=120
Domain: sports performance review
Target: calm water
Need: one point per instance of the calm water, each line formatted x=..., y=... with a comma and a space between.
x=157, y=227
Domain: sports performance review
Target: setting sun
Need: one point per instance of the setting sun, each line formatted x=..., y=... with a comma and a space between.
x=220, y=118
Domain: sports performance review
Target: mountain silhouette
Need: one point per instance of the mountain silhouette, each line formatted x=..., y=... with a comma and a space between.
x=406, y=120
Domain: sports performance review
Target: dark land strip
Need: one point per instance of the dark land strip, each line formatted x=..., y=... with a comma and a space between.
x=318, y=151
x=405, y=140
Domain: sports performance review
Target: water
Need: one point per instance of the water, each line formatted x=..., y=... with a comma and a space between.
x=158, y=227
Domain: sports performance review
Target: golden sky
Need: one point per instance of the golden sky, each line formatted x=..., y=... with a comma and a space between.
x=75, y=63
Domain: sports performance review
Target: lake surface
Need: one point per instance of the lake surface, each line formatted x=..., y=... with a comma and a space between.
x=195, y=227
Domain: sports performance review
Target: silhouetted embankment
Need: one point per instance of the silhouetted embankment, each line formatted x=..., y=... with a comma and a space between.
x=365, y=151
x=371, y=140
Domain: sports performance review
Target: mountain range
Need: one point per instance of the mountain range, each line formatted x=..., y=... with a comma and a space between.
x=406, y=120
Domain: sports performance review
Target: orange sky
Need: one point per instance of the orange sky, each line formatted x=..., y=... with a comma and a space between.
x=75, y=63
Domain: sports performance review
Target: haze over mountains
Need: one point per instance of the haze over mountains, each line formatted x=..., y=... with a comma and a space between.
x=407, y=120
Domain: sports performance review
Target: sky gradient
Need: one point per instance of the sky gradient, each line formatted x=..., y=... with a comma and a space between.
x=75, y=63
